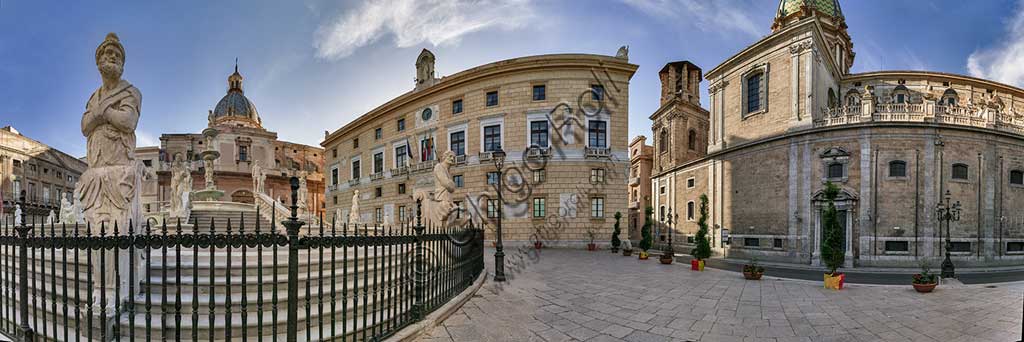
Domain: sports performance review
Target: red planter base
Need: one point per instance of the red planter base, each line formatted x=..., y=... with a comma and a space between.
x=697, y=265
x=753, y=275
x=925, y=288
x=591, y=247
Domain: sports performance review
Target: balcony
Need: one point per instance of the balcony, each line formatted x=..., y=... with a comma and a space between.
x=634, y=181
x=422, y=166
x=597, y=152
x=353, y=182
x=460, y=160
x=538, y=152
x=398, y=171
x=634, y=204
x=376, y=176
x=983, y=117
x=485, y=156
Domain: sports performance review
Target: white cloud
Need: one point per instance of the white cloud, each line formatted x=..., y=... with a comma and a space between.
x=414, y=22
x=705, y=15
x=1005, y=61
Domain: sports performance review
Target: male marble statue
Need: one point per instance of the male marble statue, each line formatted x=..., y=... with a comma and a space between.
x=67, y=212
x=439, y=207
x=181, y=189
x=17, y=215
x=109, y=188
x=51, y=218
x=302, y=192
x=353, y=215
x=259, y=177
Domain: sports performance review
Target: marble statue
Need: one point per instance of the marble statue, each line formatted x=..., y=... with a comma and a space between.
x=439, y=207
x=623, y=52
x=51, y=218
x=338, y=216
x=353, y=215
x=259, y=178
x=303, y=191
x=208, y=173
x=17, y=215
x=67, y=212
x=109, y=188
x=181, y=188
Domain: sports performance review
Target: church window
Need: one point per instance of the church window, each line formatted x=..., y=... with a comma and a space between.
x=689, y=211
x=897, y=168
x=901, y=94
x=754, y=93
x=691, y=140
x=831, y=98
x=1017, y=177
x=596, y=92
x=852, y=98
x=836, y=170
x=949, y=97
x=663, y=141
x=960, y=171
x=243, y=153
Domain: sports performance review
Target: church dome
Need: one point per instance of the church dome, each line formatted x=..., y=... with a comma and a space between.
x=234, y=104
x=829, y=7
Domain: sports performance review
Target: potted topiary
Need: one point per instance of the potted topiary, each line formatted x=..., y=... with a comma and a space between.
x=627, y=248
x=925, y=281
x=645, y=234
x=703, y=249
x=668, y=254
x=832, y=253
x=591, y=246
x=753, y=271
x=615, y=233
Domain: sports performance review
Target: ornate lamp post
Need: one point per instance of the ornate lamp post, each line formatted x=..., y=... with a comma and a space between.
x=949, y=213
x=498, y=157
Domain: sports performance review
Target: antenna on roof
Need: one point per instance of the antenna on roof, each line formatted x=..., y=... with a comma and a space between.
x=236, y=64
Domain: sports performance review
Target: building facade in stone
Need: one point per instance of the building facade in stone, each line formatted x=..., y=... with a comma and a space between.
x=243, y=143
x=786, y=116
x=561, y=120
x=45, y=174
x=640, y=162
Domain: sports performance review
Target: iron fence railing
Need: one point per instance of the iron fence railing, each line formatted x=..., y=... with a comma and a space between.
x=187, y=282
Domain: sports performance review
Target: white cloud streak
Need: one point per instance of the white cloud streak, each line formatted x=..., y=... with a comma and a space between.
x=705, y=15
x=1003, y=62
x=414, y=22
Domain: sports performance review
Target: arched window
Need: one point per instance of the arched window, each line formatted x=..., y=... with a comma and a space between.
x=1017, y=177
x=691, y=139
x=835, y=170
x=900, y=94
x=897, y=168
x=663, y=140
x=853, y=98
x=689, y=211
x=949, y=97
x=831, y=98
x=959, y=171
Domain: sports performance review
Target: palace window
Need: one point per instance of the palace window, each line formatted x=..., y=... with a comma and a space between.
x=355, y=169
x=597, y=134
x=492, y=138
x=492, y=208
x=960, y=246
x=751, y=242
x=378, y=213
x=960, y=171
x=538, y=207
x=457, y=179
x=457, y=106
x=401, y=188
x=458, y=143
x=538, y=176
x=355, y=143
x=597, y=207
x=1017, y=177
x=400, y=155
x=596, y=92
x=836, y=170
x=334, y=175
x=539, y=93
x=378, y=162
x=539, y=134
x=691, y=140
x=400, y=125
x=897, y=246
x=1015, y=246
x=378, y=133
x=334, y=153
x=401, y=213
x=596, y=176
x=378, y=192
x=492, y=178
x=492, y=98
x=897, y=168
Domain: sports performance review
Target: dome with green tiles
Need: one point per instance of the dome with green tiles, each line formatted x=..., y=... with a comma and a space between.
x=829, y=7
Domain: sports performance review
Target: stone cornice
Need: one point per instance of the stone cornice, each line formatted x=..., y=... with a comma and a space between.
x=886, y=74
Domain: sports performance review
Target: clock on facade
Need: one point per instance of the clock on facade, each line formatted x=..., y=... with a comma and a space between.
x=426, y=114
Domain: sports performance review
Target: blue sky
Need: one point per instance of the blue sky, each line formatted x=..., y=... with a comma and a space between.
x=315, y=65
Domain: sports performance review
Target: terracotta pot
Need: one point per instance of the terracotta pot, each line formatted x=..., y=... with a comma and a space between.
x=538, y=245
x=835, y=282
x=627, y=252
x=697, y=265
x=666, y=260
x=925, y=288
x=591, y=247
x=643, y=255
x=753, y=275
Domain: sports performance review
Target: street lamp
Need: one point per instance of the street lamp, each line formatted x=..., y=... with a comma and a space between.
x=949, y=213
x=498, y=156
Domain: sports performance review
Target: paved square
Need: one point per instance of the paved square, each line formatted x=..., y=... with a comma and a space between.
x=571, y=295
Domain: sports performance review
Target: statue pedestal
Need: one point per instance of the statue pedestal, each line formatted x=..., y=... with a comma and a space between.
x=207, y=195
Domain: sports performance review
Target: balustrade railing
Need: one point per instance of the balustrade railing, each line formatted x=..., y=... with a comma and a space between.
x=918, y=112
x=189, y=281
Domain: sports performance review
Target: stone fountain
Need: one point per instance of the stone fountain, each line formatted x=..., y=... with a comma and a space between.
x=210, y=192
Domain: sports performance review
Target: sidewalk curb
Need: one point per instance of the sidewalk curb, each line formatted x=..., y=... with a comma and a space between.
x=415, y=330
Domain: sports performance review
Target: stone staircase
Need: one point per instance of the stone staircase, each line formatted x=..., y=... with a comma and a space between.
x=237, y=219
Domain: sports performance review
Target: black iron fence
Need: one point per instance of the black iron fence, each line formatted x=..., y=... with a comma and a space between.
x=183, y=282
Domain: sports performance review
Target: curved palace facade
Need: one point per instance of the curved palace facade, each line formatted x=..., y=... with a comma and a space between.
x=561, y=119
x=786, y=117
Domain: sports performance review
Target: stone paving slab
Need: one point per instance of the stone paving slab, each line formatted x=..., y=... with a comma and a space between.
x=571, y=295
